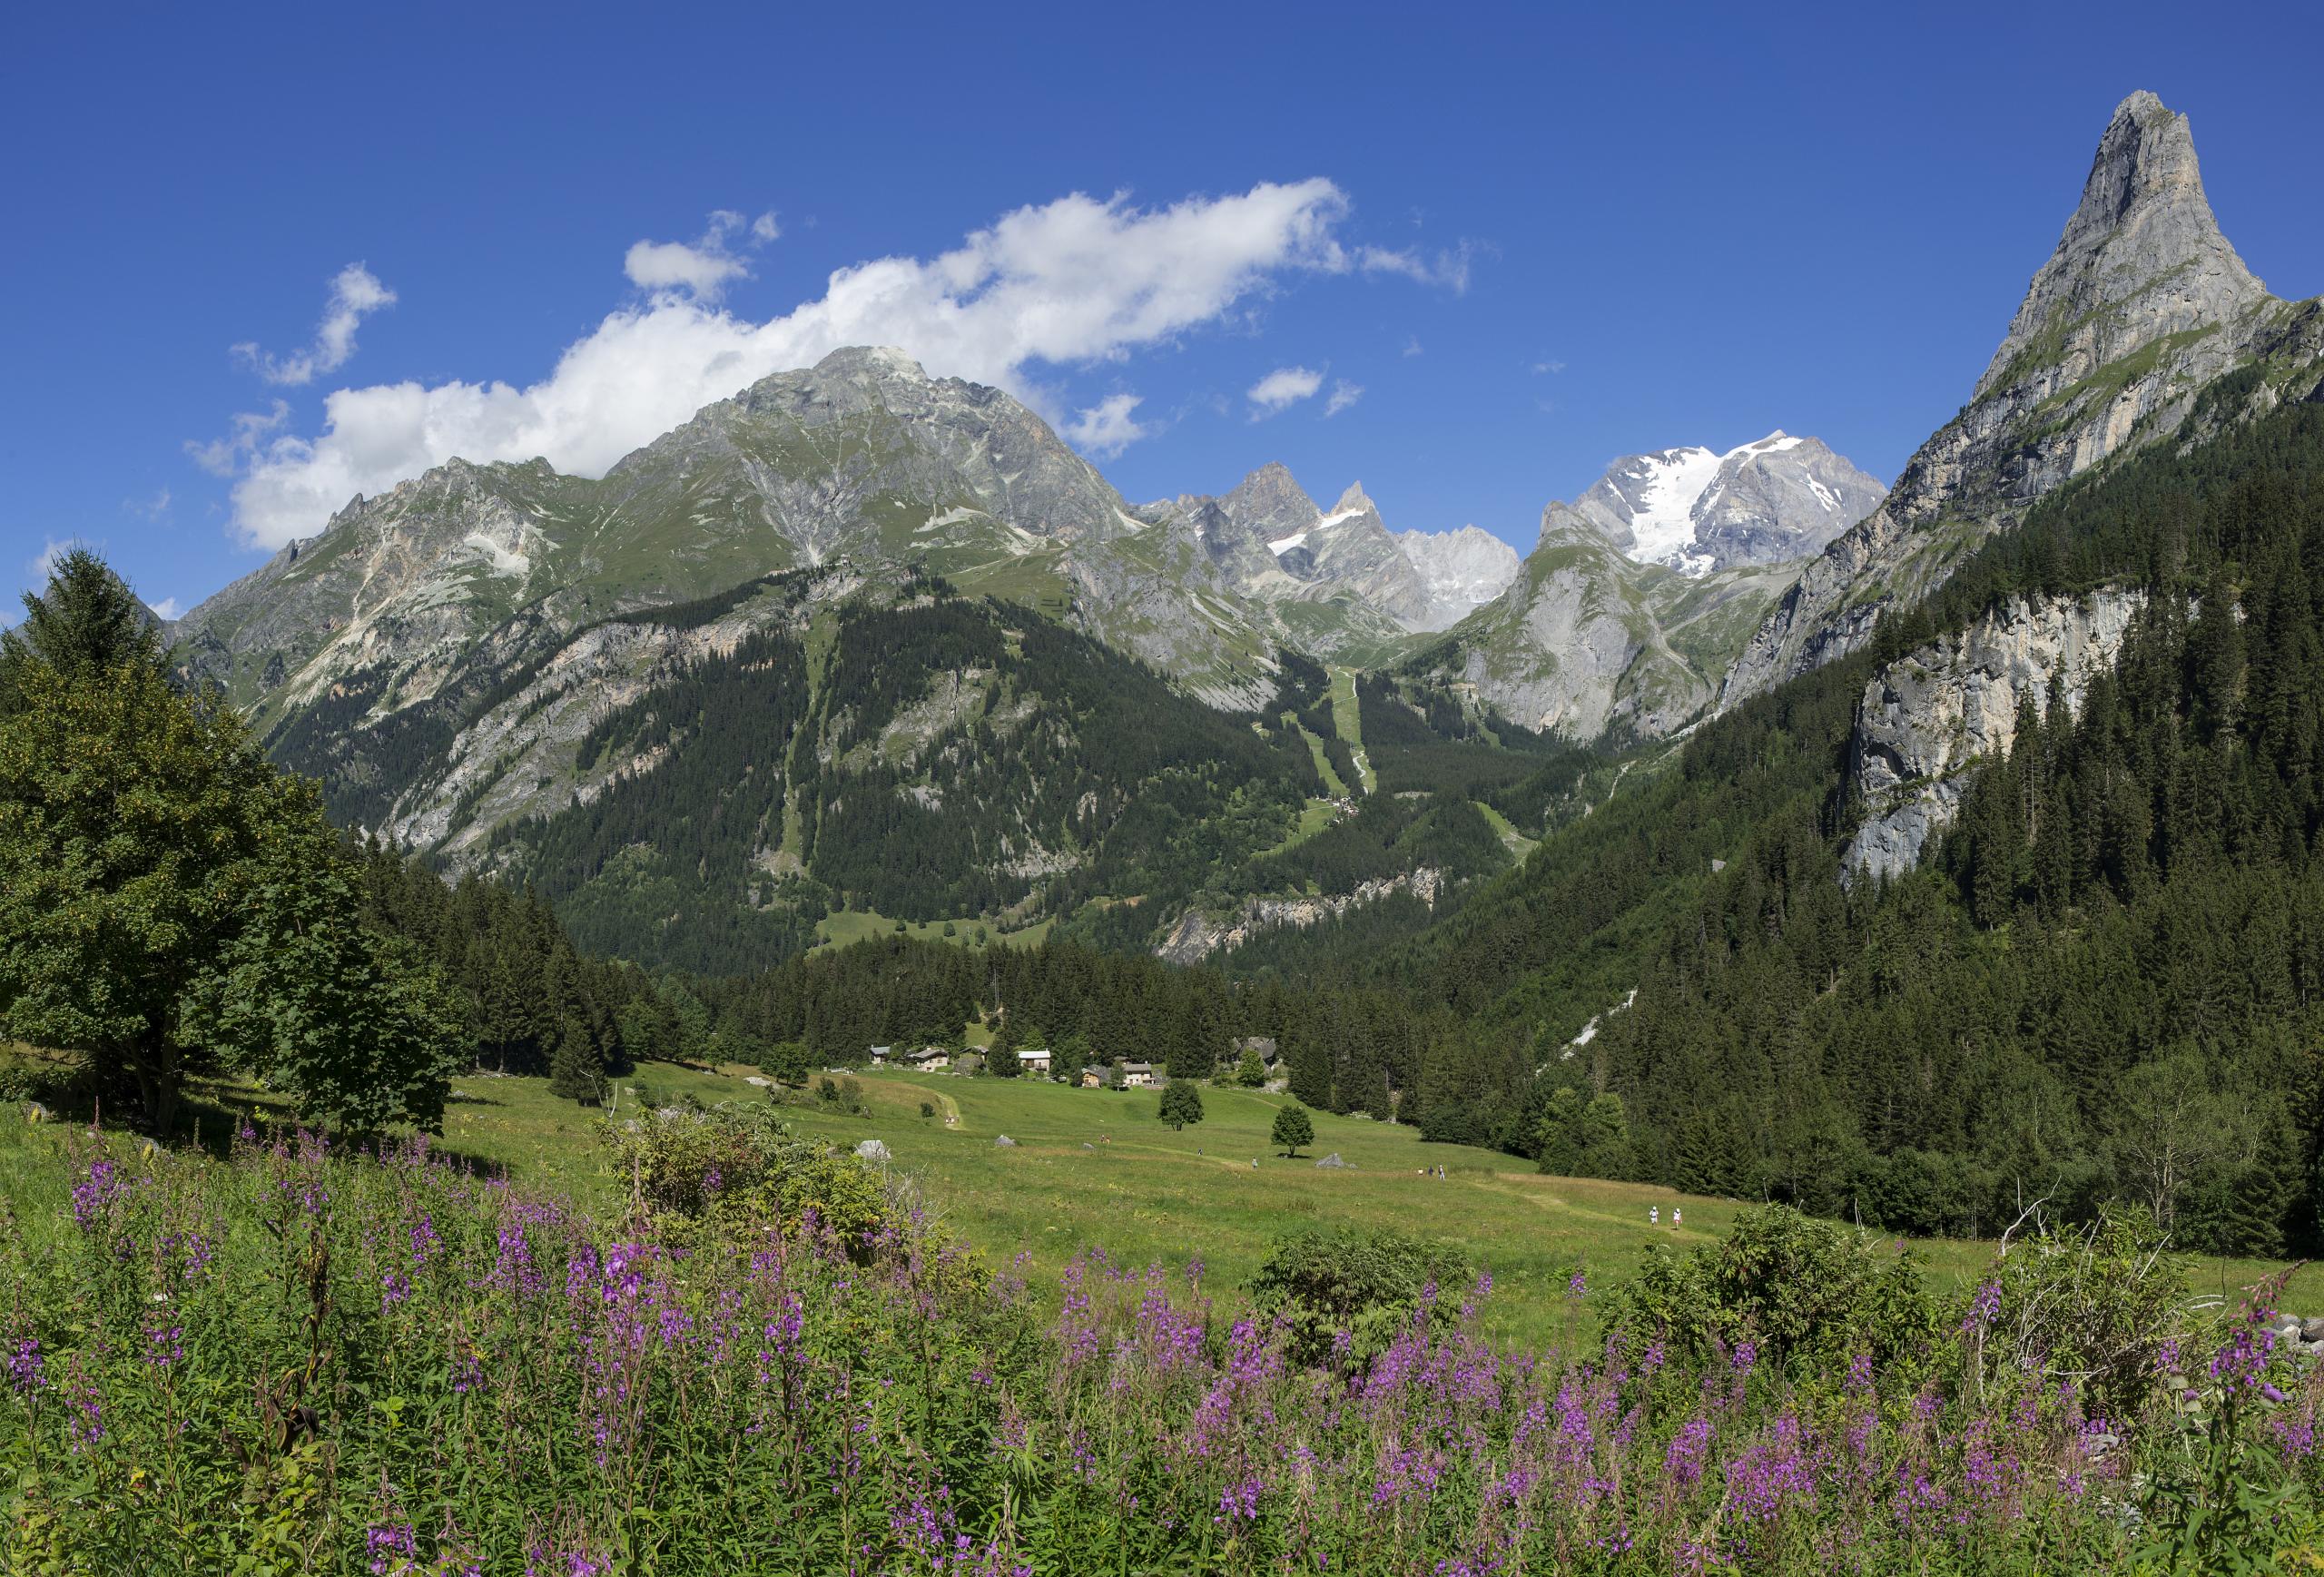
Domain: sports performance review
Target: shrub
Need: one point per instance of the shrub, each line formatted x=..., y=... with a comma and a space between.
x=1798, y=1287
x=743, y=1161
x=1371, y=1286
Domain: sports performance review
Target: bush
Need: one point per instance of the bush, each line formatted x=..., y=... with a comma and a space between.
x=1372, y=1285
x=742, y=1161
x=1801, y=1288
x=2101, y=1303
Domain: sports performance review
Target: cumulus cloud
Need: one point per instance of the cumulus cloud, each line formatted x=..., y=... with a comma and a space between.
x=1541, y=366
x=1412, y=345
x=1344, y=394
x=705, y=267
x=1282, y=388
x=1107, y=427
x=355, y=294
x=1078, y=280
x=167, y=608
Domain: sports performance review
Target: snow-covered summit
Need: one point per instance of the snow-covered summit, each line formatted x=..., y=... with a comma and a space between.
x=1696, y=511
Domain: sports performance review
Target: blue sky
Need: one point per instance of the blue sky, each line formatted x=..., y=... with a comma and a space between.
x=1533, y=238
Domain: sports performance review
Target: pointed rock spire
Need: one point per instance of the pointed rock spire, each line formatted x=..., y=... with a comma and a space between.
x=2141, y=259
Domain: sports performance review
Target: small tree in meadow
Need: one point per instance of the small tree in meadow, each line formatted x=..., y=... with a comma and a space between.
x=1181, y=1103
x=787, y=1062
x=1250, y=1072
x=1293, y=1128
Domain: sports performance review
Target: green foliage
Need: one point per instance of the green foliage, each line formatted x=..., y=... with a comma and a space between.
x=169, y=903
x=1370, y=1285
x=1580, y=1139
x=1293, y=1128
x=739, y=1162
x=1251, y=1071
x=83, y=623
x=1181, y=1103
x=1804, y=1291
x=787, y=1062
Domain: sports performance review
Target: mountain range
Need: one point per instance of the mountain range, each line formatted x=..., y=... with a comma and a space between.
x=853, y=633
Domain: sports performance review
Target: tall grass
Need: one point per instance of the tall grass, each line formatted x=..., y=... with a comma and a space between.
x=296, y=1360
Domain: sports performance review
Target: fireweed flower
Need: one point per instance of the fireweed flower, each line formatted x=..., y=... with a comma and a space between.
x=96, y=1194
x=394, y=1548
x=1684, y=1457
x=25, y=1368
x=1981, y=1310
x=164, y=1344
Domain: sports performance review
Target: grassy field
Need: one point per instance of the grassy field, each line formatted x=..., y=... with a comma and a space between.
x=1097, y=1169
x=1347, y=717
x=841, y=927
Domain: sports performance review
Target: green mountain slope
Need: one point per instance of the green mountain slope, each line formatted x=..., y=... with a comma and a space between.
x=2116, y=941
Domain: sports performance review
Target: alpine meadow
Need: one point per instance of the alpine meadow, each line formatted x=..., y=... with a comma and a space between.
x=724, y=956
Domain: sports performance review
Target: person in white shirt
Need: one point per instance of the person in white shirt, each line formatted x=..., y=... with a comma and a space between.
x=1654, y=1215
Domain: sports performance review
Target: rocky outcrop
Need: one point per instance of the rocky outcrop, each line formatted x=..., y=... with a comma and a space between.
x=1197, y=935
x=1926, y=719
x=1698, y=511
x=2142, y=304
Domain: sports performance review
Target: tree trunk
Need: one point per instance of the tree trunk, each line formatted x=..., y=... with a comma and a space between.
x=158, y=1084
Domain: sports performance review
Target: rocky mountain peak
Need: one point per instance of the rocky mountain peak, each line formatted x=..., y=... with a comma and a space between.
x=1355, y=501
x=1272, y=498
x=2142, y=304
x=2140, y=259
x=875, y=361
x=1460, y=570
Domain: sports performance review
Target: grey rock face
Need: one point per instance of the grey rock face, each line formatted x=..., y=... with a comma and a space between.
x=1698, y=511
x=1460, y=570
x=1926, y=719
x=1196, y=935
x=2142, y=304
x=1587, y=642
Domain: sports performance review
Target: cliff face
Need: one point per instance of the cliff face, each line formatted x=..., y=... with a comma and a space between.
x=1197, y=935
x=1927, y=717
x=2142, y=304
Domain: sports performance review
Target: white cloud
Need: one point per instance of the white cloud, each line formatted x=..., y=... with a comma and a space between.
x=224, y=456
x=1541, y=366
x=1344, y=394
x=1412, y=345
x=1107, y=427
x=1283, y=387
x=355, y=293
x=153, y=508
x=1075, y=280
x=167, y=608
x=1446, y=268
x=702, y=268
